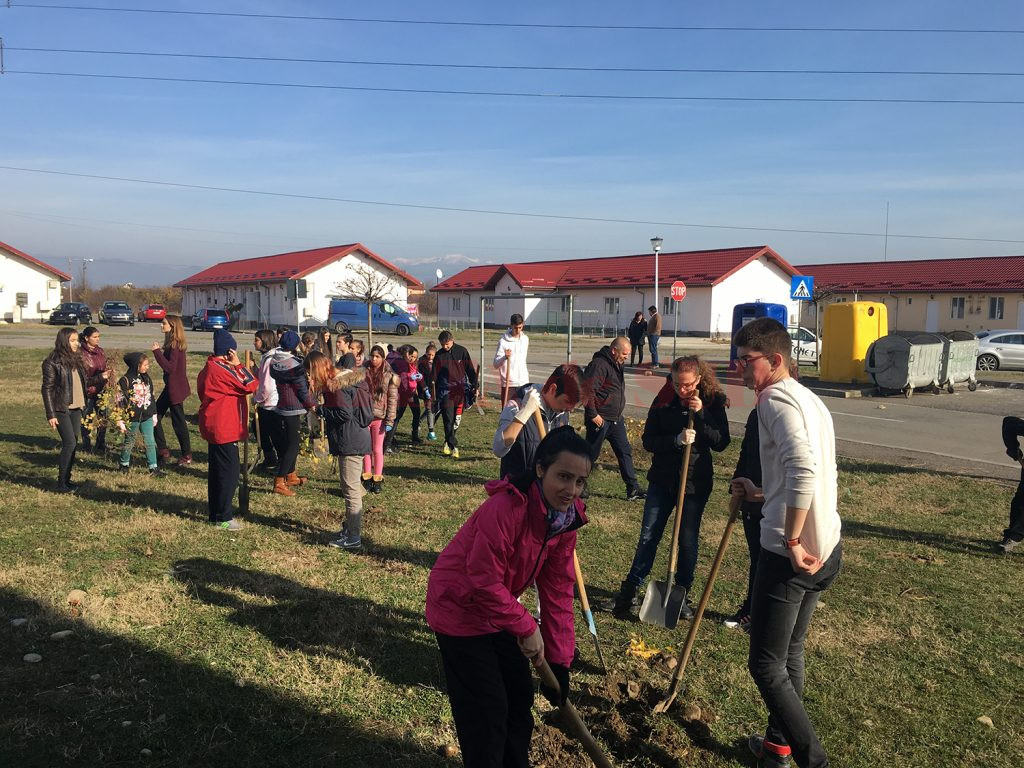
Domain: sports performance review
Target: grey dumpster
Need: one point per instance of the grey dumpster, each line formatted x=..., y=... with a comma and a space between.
x=905, y=361
x=959, y=360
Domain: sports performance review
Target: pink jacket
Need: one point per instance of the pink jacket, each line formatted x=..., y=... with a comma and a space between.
x=502, y=548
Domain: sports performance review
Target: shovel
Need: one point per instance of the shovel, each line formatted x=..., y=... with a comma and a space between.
x=684, y=655
x=508, y=370
x=574, y=722
x=664, y=600
x=243, y=490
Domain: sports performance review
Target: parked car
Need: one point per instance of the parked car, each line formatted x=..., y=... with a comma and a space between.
x=210, y=319
x=1000, y=349
x=346, y=315
x=805, y=343
x=70, y=313
x=152, y=313
x=116, y=312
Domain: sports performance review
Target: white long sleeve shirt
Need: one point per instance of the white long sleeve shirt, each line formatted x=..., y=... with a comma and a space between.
x=798, y=467
x=518, y=373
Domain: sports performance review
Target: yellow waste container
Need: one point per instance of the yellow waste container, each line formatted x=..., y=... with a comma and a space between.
x=849, y=329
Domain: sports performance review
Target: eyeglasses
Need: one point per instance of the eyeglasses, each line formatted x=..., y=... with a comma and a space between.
x=746, y=360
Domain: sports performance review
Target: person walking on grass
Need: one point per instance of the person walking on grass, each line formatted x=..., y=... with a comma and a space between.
x=383, y=385
x=691, y=388
x=455, y=378
x=347, y=412
x=172, y=359
x=513, y=346
x=97, y=375
x=293, y=402
x=135, y=396
x=265, y=342
x=63, y=393
x=801, y=550
x=653, y=333
x=524, y=534
x=426, y=387
x=637, y=332
x=604, y=409
x=409, y=378
x=517, y=437
x=224, y=385
x=1013, y=428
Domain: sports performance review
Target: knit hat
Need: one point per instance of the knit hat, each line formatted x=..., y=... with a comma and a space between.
x=289, y=341
x=223, y=341
x=133, y=360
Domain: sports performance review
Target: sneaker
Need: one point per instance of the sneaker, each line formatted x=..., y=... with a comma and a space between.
x=447, y=451
x=634, y=494
x=1008, y=545
x=124, y=469
x=739, y=620
x=344, y=542
x=156, y=472
x=416, y=440
x=185, y=461
x=431, y=435
x=455, y=453
x=228, y=525
x=162, y=455
x=769, y=755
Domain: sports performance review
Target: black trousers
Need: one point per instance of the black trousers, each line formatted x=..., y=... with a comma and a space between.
x=636, y=349
x=69, y=426
x=269, y=424
x=163, y=405
x=287, y=443
x=417, y=416
x=752, y=533
x=1016, y=530
x=448, y=407
x=222, y=481
x=615, y=432
x=491, y=692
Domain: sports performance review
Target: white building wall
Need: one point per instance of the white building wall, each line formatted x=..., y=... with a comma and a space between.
x=19, y=276
x=761, y=280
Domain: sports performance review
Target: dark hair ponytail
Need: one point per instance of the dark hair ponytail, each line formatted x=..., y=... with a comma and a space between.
x=563, y=439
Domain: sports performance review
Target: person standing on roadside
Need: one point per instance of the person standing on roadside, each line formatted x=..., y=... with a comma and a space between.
x=1013, y=428
x=63, y=394
x=637, y=332
x=96, y=378
x=265, y=399
x=801, y=550
x=510, y=357
x=653, y=333
x=223, y=386
x=454, y=374
x=172, y=360
x=604, y=409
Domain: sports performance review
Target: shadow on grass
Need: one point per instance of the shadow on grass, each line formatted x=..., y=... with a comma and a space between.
x=873, y=467
x=857, y=529
x=317, y=621
x=100, y=699
x=48, y=442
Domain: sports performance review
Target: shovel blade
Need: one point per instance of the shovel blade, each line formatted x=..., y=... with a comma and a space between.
x=662, y=604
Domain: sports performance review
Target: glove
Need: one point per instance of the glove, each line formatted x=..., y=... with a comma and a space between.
x=388, y=428
x=415, y=376
x=557, y=698
x=426, y=393
x=530, y=404
x=686, y=437
x=154, y=419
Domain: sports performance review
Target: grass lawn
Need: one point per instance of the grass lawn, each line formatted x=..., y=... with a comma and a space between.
x=264, y=647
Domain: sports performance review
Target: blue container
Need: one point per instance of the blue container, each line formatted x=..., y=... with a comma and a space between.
x=744, y=313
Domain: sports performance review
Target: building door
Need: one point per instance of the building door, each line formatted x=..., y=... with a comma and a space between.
x=931, y=323
x=1020, y=314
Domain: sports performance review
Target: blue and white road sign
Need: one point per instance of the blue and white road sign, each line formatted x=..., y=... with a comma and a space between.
x=801, y=287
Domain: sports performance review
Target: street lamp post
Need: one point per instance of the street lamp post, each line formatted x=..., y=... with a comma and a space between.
x=656, y=247
x=71, y=282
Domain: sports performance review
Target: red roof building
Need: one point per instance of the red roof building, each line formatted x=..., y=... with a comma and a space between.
x=29, y=288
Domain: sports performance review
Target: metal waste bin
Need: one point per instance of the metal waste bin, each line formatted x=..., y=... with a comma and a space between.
x=959, y=360
x=905, y=361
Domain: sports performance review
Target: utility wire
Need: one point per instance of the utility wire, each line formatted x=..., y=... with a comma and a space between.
x=521, y=94
x=521, y=25
x=490, y=212
x=519, y=67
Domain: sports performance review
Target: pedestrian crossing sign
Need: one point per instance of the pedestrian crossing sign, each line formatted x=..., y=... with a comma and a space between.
x=801, y=287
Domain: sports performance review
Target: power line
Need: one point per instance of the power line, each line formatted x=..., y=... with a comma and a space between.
x=524, y=25
x=521, y=94
x=519, y=67
x=492, y=212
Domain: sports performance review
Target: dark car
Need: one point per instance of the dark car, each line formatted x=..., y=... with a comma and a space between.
x=116, y=312
x=152, y=312
x=210, y=319
x=70, y=313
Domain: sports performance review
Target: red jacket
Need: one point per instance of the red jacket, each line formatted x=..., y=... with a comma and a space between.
x=223, y=408
x=502, y=548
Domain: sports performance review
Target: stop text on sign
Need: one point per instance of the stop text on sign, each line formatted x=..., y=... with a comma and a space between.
x=678, y=290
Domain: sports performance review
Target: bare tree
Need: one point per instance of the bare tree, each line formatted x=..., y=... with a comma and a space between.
x=367, y=286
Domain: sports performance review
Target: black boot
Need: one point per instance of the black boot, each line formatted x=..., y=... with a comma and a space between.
x=686, y=609
x=622, y=607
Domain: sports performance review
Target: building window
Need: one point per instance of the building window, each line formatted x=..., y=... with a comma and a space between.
x=910, y=300
x=995, y=308
x=956, y=310
x=456, y=303
x=565, y=304
x=488, y=305
x=611, y=305
x=666, y=305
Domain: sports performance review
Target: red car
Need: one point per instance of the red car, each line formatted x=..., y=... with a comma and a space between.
x=154, y=312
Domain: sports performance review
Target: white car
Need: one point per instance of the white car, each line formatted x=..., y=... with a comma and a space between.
x=806, y=344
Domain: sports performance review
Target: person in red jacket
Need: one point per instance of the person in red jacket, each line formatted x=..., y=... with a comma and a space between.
x=223, y=385
x=524, y=534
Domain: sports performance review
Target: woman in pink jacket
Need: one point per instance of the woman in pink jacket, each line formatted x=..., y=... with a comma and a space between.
x=522, y=535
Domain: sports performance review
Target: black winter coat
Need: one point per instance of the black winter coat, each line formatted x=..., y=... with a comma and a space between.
x=637, y=331
x=57, y=387
x=749, y=464
x=125, y=383
x=666, y=419
x=347, y=413
x=606, y=385
x=454, y=372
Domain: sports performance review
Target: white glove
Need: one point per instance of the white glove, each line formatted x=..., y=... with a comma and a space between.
x=686, y=437
x=530, y=404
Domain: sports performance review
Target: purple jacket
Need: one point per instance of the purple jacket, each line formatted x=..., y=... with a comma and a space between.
x=173, y=362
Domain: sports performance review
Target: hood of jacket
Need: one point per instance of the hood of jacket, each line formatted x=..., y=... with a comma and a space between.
x=605, y=353
x=283, y=360
x=350, y=377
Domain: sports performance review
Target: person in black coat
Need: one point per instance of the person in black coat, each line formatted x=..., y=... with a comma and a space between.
x=1013, y=535
x=692, y=387
x=748, y=468
x=636, y=333
x=456, y=380
x=63, y=394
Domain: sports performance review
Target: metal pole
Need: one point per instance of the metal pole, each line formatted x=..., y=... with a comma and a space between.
x=71, y=282
x=675, y=333
x=568, y=348
x=481, y=358
x=656, y=252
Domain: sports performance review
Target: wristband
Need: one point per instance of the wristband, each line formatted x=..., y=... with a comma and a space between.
x=790, y=543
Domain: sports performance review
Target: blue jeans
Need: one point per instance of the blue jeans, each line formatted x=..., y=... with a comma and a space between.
x=146, y=428
x=652, y=342
x=657, y=509
x=615, y=433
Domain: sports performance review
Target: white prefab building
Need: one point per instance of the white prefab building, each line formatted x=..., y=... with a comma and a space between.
x=260, y=285
x=29, y=288
x=607, y=292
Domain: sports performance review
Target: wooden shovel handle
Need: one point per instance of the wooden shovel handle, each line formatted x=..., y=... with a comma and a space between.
x=684, y=473
x=574, y=721
x=579, y=582
x=508, y=370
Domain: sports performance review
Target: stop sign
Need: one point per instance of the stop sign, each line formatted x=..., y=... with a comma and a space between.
x=678, y=290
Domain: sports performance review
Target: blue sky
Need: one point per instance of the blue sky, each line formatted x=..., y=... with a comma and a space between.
x=945, y=169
